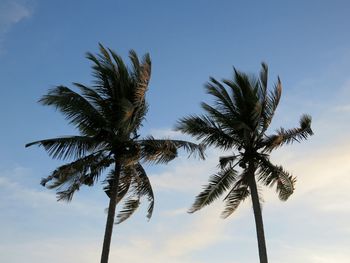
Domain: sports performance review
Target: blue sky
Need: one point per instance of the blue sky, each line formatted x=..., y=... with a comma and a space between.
x=306, y=43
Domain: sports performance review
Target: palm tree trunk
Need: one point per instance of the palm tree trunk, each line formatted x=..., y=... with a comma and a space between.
x=110, y=216
x=257, y=215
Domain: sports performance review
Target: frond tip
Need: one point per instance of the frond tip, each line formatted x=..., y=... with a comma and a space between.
x=271, y=175
x=67, y=147
x=289, y=136
x=234, y=198
x=128, y=209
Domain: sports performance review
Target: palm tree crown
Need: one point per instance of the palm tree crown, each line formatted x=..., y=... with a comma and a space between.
x=238, y=122
x=108, y=116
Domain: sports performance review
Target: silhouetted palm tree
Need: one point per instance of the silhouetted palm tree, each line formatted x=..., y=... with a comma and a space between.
x=238, y=121
x=108, y=116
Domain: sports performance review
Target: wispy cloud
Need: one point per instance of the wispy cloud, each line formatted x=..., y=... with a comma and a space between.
x=321, y=191
x=297, y=230
x=21, y=195
x=198, y=235
x=342, y=108
x=175, y=242
x=171, y=245
x=11, y=13
x=186, y=175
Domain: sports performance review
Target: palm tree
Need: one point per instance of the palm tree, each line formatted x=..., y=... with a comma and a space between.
x=108, y=116
x=238, y=122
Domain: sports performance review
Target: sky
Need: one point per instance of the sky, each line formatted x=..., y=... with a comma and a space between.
x=306, y=43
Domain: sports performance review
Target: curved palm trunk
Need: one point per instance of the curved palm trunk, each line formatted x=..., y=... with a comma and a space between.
x=258, y=216
x=110, y=216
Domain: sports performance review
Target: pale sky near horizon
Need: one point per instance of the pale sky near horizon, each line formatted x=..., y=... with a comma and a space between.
x=306, y=43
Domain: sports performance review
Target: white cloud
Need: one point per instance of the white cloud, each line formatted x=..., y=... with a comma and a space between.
x=17, y=193
x=175, y=212
x=311, y=254
x=51, y=250
x=204, y=231
x=172, y=245
x=185, y=176
x=342, y=108
x=11, y=13
x=167, y=133
x=322, y=188
x=176, y=240
x=318, y=204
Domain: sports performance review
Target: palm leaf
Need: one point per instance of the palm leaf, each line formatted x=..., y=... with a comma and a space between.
x=270, y=104
x=143, y=76
x=218, y=184
x=129, y=207
x=283, y=136
x=263, y=79
x=205, y=129
x=68, y=147
x=227, y=121
x=76, y=109
x=144, y=188
x=134, y=184
x=124, y=183
x=270, y=175
x=70, y=177
x=224, y=161
x=191, y=148
x=165, y=150
x=223, y=99
x=96, y=100
x=245, y=96
x=237, y=195
x=157, y=151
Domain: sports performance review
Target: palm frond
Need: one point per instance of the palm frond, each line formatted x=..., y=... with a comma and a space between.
x=136, y=64
x=96, y=99
x=124, y=183
x=122, y=81
x=245, y=95
x=139, y=116
x=237, y=195
x=129, y=207
x=133, y=185
x=112, y=79
x=205, y=129
x=246, y=84
x=223, y=99
x=224, y=161
x=283, y=136
x=144, y=188
x=68, y=147
x=68, y=178
x=270, y=104
x=76, y=109
x=143, y=77
x=227, y=122
x=237, y=97
x=139, y=187
x=191, y=148
x=263, y=79
x=165, y=150
x=157, y=151
x=270, y=175
x=127, y=110
x=218, y=184
x=102, y=83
